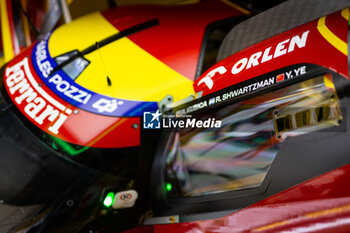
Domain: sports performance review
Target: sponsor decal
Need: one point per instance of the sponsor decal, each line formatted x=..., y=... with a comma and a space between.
x=62, y=85
x=268, y=54
x=207, y=79
x=37, y=104
x=44, y=109
x=125, y=199
x=125, y=196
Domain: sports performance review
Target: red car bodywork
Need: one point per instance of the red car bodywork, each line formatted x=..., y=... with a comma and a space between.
x=324, y=43
x=321, y=204
x=165, y=42
x=173, y=43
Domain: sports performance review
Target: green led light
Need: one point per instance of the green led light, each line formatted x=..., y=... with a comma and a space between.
x=109, y=199
x=68, y=148
x=169, y=187
x=54, y=146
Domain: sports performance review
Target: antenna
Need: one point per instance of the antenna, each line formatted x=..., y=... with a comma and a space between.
x=109, y=82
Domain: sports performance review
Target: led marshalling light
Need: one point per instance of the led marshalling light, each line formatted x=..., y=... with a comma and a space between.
x=108, y=201
x=169, y=187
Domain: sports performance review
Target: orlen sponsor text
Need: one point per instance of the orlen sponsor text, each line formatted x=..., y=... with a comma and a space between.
x=257, y=58
x=38, y=105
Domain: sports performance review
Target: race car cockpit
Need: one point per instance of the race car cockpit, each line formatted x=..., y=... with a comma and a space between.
x=272, y=114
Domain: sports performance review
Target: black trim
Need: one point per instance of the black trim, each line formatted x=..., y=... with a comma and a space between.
x=232, y=21
x=119, y=35
x=349, y=49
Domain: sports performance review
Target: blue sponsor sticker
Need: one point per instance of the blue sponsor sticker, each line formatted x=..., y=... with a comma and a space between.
x=63, y=86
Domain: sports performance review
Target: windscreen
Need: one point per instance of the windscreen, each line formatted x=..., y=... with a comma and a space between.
x=238, y=155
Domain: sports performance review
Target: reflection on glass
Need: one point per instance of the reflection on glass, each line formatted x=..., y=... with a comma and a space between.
x=74, y=68
x=238, y=155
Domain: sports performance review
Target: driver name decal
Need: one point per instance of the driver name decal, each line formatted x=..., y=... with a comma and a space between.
x=71, y=91
x=250, y=86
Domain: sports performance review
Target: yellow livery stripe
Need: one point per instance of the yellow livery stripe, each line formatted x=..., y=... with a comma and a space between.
x=6, y=33
x=345, y=13
x=271, y=226
x=235, y=6
x=331, y=37
x=134, y=73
